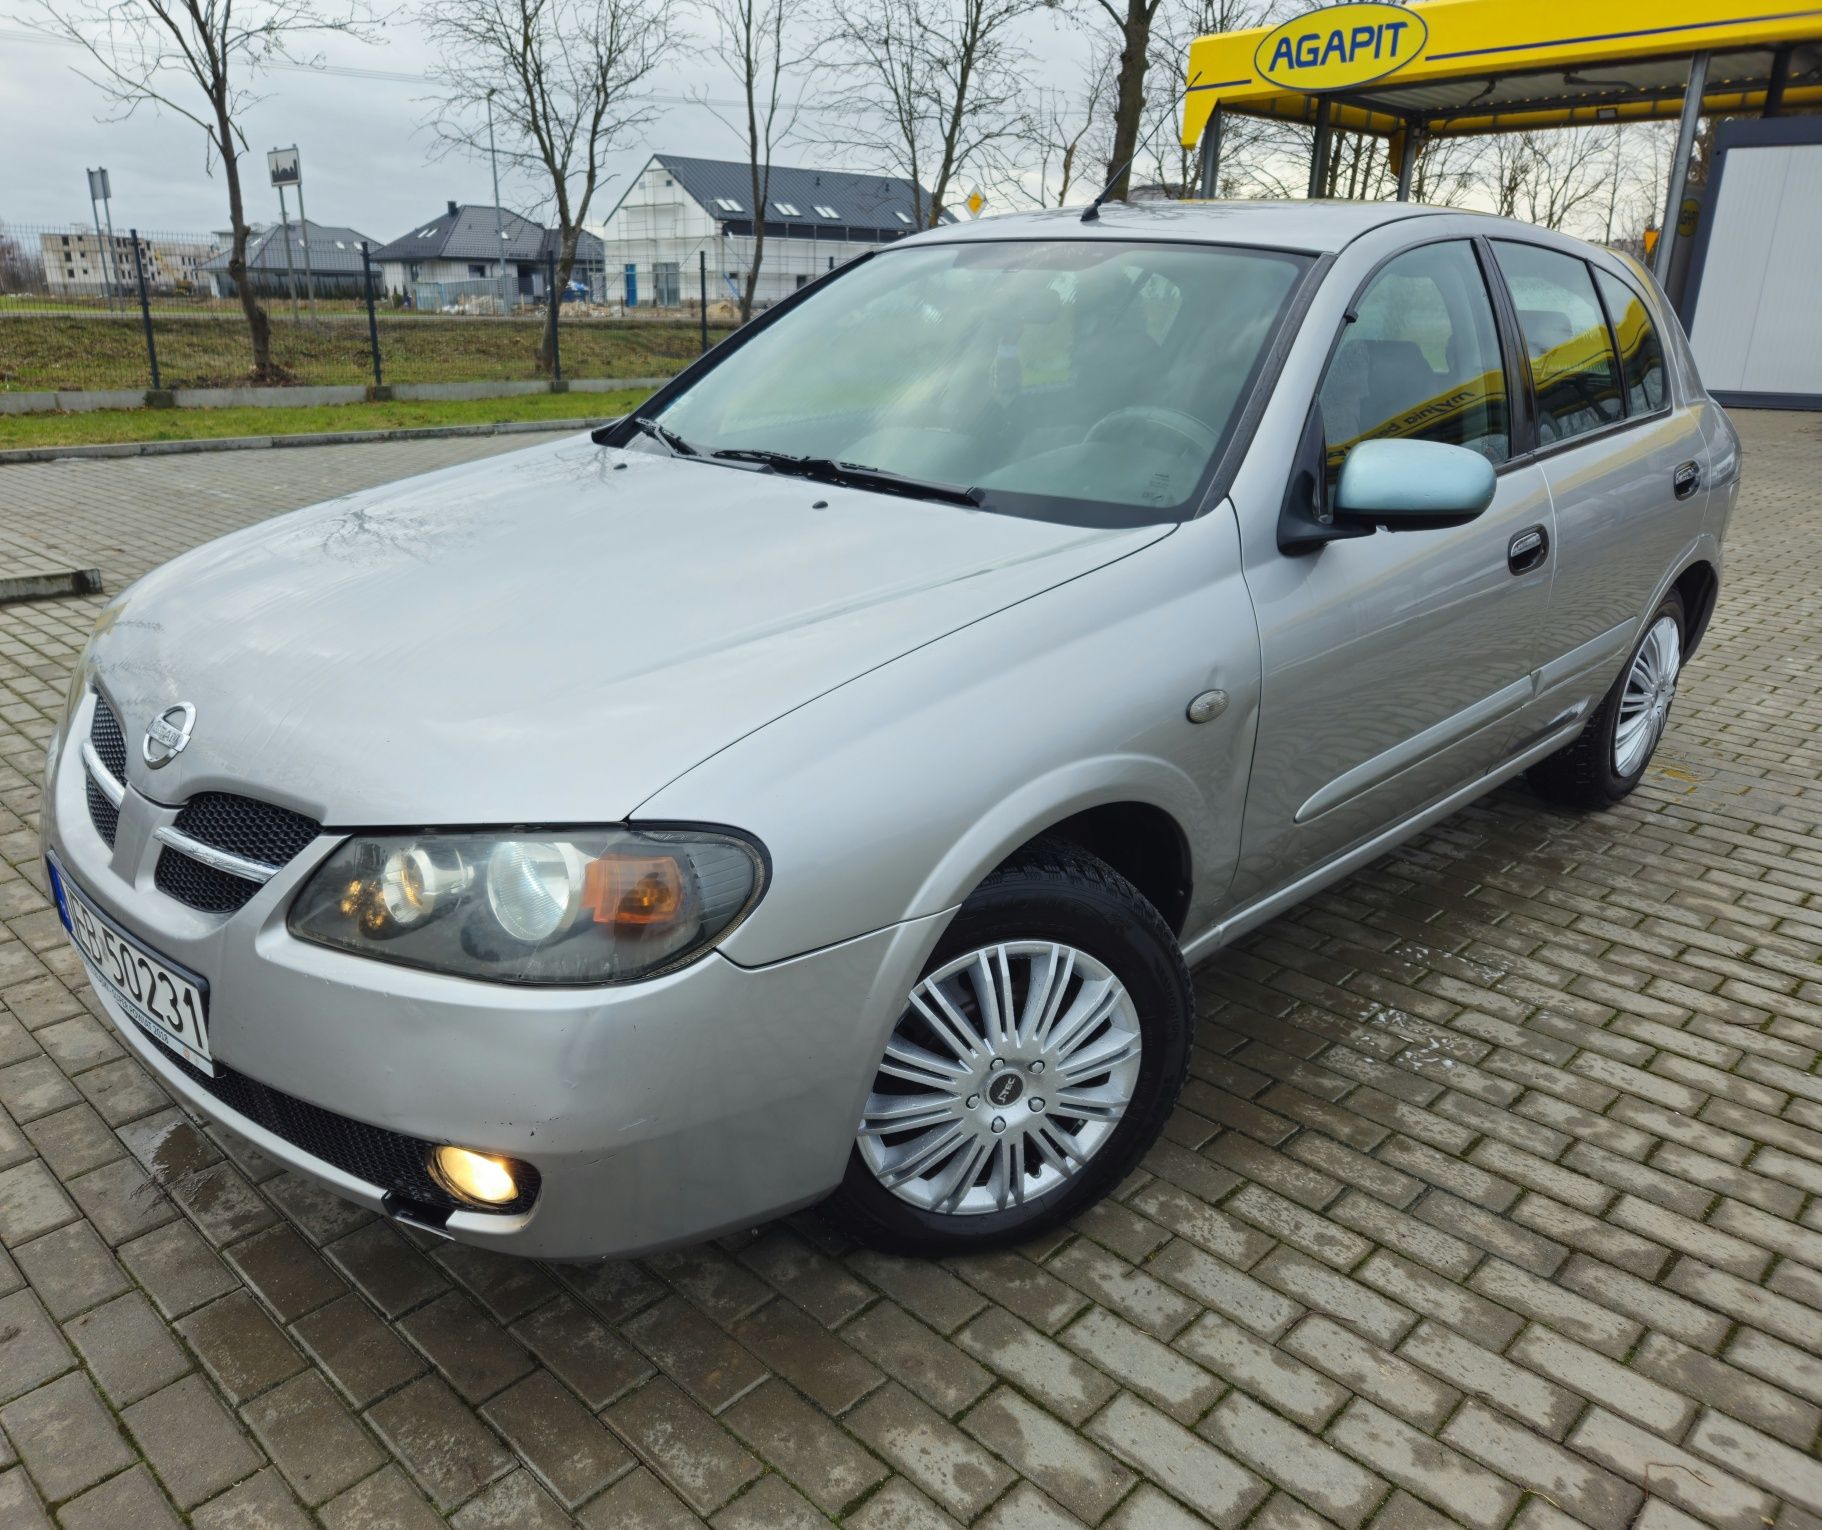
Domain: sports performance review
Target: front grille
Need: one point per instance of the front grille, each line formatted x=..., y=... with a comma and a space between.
x=102, y=813
x=247, y=827
x=200, y=886
x=243, y=826
x=110, y=743
x=372, y=1154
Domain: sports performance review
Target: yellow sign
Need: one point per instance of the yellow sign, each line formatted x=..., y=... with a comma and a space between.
x=1340, y=46
x=975, y=203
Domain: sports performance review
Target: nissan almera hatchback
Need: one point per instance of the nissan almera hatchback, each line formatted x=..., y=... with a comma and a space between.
x=816, y=785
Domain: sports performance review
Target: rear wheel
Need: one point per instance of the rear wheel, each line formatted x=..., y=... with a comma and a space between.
x=1036, y=1060
x=1609, y=756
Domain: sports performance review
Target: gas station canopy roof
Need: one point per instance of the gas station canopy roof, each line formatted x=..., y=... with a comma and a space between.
x=1452, y=67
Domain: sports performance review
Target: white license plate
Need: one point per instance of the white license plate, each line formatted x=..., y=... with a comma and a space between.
x=166, y=1002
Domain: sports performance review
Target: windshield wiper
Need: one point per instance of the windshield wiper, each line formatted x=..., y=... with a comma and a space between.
x=679, y=447
x=852, y=474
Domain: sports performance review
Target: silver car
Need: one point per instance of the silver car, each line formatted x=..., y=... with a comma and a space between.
x=816, y=786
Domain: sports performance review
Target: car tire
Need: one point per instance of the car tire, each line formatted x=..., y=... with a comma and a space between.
x=1096, y=927
x=1600, y=768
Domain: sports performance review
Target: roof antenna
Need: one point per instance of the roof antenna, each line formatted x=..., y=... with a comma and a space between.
x=1092, y=212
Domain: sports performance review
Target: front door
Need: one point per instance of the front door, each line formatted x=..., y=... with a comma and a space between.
x=1394, y=665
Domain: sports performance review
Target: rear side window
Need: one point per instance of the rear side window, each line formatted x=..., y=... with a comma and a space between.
x=1573, y=368
x=1420, y=361
x=1641, y=356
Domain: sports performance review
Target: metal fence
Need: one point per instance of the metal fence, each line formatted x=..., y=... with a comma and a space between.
x=132, y=310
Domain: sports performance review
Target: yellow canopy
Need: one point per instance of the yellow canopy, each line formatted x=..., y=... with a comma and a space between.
x=1453, y=67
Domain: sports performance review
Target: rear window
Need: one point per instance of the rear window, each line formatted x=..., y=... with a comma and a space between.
x=1573, y=369
x=1641, y=355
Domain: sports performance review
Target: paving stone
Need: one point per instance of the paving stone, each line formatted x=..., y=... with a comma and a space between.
x=1283, y=1453
x=933, y=1453
x=1790, y=1474
x=285, y=1273
x=515, y=1502
x=1782, y=1364
x=899, y=1506
x=71, y=1269
x=1601, y=1499
x=475, y=1354
x=1148, y=1509
x=808, y=1277
x=1136, y=1295
x=449, y=1452
x=1365, y=1370
x=127, y=1348
x=798, y=1440
x=1155, y=1371
x=1670, y=1473
x=66, y=1437
x=920, y=1287
x=177, y=1269
x=932, y=1367
x=19, y=1505
x=240, y=1347
x=770, y=1505
x=73, y=1141
x=262, y=1502
x=386, y=1269
x=822, y=1365
x=1022, y=1287
x=697, y=1458
x=1430, y=1471
x=191, y=1441
x=122, y=1201
x=1231, y=1292
x=359, y=1353
x=311, y=1438
x=566, y=1447
x=31, y=1203
x=582, y=1351
x=385, y=1501
x=694, y=1353
x=1206, y=1479
x=1624, y=1389
x=507, y=1287
x=1266, y=1371
x=1082, y=1478
x=31, y=1349
x=1481, y=1373
x=132, y=1498
x=1036, y=1365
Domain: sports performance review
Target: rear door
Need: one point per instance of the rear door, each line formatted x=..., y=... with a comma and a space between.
x=1394, y=665
x=1625, y=460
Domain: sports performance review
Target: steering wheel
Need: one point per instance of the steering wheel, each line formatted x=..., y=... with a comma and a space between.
x=1173, y=426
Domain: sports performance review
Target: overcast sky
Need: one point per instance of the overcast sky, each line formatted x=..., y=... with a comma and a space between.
x=366, y=155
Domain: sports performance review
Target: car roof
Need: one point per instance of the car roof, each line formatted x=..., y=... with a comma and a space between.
x=1316, y=226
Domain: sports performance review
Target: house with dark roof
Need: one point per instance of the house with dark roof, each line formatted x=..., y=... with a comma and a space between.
x=467, y=253
x=286, y=255
x=684, y=223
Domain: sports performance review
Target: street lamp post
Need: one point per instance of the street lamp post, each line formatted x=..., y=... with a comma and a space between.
x=499, y=238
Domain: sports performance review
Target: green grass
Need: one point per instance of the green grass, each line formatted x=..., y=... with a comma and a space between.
x=45, y=351
x=106, y=425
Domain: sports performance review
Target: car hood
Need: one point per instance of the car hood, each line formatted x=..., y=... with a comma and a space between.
x=547, y=636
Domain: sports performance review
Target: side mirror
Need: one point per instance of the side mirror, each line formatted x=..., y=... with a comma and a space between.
x=1412, y=485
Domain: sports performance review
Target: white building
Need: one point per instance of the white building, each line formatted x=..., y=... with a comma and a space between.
x=80, y=263
x=683, y=219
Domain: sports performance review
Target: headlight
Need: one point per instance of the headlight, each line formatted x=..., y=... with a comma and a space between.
x=555, y=906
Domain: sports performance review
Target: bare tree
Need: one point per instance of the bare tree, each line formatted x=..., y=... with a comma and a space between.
x=566, y=78
x=1244, y=140
x=198, y=59
x=1058, y=138
x=755, y=40
x=928, y=88
x=18, y=271
x=1132, y=22
x=1545, y=177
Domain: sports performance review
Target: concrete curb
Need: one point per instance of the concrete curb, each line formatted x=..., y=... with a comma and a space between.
x=49, y=586
x=22, y=454
x=305, y=397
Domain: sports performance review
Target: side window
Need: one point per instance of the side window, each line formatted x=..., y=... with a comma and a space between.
x=1420, y=360
x=1573, y=367
x=1641, y=356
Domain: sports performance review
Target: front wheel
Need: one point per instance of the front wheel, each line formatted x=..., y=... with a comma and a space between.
x=1609, y=756
x=1034, y=1063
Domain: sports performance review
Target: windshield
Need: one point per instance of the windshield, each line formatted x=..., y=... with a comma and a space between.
x=1081, y=370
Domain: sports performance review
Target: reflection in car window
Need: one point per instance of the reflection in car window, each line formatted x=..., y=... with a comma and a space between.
x=1083, y=370
x=1641, y=357
x=1572, y=363
x=1420, y=360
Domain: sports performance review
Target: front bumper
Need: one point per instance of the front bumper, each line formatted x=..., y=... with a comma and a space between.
x=656, y=1114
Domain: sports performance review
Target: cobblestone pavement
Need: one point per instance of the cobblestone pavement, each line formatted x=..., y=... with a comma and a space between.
x=1495, y=1198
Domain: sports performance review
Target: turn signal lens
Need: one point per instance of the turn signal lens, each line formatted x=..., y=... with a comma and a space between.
x=478, y=1178
x=635, y=891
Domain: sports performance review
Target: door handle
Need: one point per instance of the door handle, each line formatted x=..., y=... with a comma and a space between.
x=1686, y=479
x=1528, y=550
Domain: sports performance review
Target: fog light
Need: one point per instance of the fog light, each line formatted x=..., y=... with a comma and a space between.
x=478, y=1178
